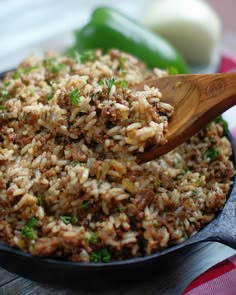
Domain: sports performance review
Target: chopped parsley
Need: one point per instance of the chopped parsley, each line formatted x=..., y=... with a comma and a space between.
x=51, y=93
x=85, y=205
x=39, y=200
x=69, y=219
x=73, y=53
x=88, y=55
x=199, y=181
x=75, y=96
x=52, y=65
x=28, y=231
x=15, y=75
x=7, y=83
x=124, y=72
x=212, y=153
x=102, y=255
x=121, y=83
x=220, y=120
x=110, y=82
x=195, y=193
x=122, y=64
x=28, y=69
x=121, y=209
x=2, y=108
x=4, y=95
x=18, y=73
x=94, y=238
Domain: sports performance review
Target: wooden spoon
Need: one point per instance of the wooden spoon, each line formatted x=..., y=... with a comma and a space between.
x=197, y=99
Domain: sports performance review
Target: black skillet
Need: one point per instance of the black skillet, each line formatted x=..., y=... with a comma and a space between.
x=222, y=229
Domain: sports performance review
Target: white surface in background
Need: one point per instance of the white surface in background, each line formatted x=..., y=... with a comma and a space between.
x=28, y=26
x=32, y=27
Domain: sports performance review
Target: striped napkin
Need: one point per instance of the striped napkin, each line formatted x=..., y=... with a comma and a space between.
x=228, y=64
x=218, y=280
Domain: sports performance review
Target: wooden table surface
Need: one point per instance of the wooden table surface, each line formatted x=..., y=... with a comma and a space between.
x=184, y=268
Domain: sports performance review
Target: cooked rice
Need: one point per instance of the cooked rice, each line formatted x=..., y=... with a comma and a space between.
x=70, y=183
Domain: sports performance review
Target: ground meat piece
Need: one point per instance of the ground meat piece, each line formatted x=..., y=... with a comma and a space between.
x=3, y=184
x=47, y=246
x=167, y=182
x=220, y=169
x=143, y=198
x=131, y=210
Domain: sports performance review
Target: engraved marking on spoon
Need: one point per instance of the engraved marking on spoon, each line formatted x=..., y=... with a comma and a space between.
x=215, y=88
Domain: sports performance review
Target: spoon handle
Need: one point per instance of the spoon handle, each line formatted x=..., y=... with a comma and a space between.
x=218, y=92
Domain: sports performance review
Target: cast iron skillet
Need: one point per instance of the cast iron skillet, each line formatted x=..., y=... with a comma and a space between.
x=222, y=229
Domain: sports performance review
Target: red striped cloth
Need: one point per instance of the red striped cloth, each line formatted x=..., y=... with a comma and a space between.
x=228, y=64
x=218, y=280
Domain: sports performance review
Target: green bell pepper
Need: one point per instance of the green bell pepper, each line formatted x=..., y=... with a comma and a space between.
x=108, y=28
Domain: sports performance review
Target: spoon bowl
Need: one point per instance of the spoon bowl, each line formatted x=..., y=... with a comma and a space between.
x=197, y=100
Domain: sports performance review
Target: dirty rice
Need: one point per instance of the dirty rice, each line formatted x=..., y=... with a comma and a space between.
x=70, y=183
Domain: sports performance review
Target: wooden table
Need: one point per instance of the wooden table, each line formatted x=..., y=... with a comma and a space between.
x=184, y=268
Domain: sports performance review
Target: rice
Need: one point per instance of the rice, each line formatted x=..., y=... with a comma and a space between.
x=70, y=182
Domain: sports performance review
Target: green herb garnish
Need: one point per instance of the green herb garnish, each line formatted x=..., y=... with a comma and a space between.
x=39, y=200
x=220, y=120
x=74, y=219
x=75, y=96
x=73, y=53
x=52, y=65
x=18, y=73
x=15, y=75
x=94, y=238
x=212, y=154
x=27, y=70
x=199, y=181
x=95, y=257
x=109, y=83
x=28, y=231
x=121, y=209
x=4, y=95
x=195, y=193
x=121, y=83
x=102, y=255
x=121, y=63
x=51, y=93
x=7, y=83
x=69, y=219
x=85, y=205
x=89, y=55
x=2, y=108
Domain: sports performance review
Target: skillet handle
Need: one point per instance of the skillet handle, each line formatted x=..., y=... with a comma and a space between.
x=226, y=231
